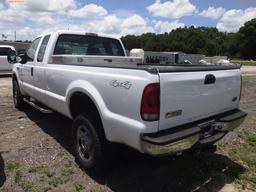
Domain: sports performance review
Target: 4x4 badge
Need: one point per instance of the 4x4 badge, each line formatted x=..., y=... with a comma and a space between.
x=125, y=84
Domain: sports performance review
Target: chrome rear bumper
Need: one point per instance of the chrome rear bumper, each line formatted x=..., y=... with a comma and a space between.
x=204, y=132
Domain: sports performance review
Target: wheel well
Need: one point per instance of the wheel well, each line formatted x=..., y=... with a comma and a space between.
x=82, y=103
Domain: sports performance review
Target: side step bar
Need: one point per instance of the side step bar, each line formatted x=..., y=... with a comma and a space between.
x=37, y=106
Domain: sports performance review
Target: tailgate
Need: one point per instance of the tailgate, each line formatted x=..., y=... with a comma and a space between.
x=190, y=96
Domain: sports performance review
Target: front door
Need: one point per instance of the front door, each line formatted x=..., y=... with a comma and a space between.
x=28, y=68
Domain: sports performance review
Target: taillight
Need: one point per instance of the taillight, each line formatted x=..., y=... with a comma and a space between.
x=150, y=103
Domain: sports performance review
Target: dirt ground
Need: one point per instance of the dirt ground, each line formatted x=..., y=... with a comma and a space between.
x=35, y=155
x=248, y=70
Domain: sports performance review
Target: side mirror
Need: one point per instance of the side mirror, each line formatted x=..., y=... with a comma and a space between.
x=22, y=58
x=12, y=57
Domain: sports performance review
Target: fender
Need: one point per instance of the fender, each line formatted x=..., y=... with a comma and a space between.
x=90, y=91
x=15, y=73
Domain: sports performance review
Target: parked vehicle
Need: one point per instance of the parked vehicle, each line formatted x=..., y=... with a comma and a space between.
x=167, y=57
x=112, y=98
x=5, y=67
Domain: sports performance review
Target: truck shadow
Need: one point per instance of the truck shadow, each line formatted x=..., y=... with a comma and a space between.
x=136, y=172
x=2, y=173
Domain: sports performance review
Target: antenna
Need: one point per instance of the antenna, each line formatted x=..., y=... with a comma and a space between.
x=15, y=36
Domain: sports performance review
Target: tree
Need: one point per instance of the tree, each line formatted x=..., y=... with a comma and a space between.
x=201, y=40
x=247, y=40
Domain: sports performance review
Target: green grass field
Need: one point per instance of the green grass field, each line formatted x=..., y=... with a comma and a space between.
x=244, y=62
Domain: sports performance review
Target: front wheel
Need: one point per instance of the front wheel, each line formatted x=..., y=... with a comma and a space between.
x=17, y=97
x=92, y=150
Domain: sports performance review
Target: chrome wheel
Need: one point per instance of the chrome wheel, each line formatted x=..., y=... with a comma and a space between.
x=84, y=143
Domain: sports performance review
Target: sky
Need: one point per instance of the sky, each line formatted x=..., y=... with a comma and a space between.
x=29, y=18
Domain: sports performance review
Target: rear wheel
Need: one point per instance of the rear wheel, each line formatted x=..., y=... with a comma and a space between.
x=17, y=97
x=92, y=151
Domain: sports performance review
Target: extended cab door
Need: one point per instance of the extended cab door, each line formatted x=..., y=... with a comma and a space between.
x=28, y=68
x=39, y=71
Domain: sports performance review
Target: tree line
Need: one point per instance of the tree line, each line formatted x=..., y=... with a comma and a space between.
x=200, y=40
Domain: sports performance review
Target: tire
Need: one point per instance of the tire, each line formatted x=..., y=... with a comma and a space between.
x=17, y=97
x=91, y=149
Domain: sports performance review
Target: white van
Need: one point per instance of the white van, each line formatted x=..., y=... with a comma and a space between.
x=5, y=67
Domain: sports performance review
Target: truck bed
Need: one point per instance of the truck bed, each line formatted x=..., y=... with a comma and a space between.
x=134, y=63
x=187, y=68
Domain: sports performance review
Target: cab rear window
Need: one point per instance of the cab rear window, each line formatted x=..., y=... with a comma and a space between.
x=87, y=45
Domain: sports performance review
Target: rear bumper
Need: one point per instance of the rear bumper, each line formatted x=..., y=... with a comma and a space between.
x=181, y=138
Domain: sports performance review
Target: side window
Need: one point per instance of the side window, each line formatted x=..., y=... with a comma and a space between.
x=4, y=51
x=42, y=49
x=32, y=49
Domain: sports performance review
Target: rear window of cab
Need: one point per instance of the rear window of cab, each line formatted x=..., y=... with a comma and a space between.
x=87, y=45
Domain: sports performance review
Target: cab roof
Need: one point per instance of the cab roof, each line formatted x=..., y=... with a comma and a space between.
x=60, y=32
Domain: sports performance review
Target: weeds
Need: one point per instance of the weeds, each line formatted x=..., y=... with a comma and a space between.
x=245, y=155
x=79, y=186
x=43, y=170
x=54, y=182
x=18, y=176
x=12, y=167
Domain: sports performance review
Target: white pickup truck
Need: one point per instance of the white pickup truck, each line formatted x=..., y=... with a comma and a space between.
x=113, y=98
x=5, y=67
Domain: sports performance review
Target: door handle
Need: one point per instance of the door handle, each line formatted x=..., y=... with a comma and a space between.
x=108, y=60
x=32, y=71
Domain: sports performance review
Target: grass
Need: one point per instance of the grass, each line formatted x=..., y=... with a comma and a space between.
x=18, y=176
x=250, y=139
x=54, y=182
x=12, y=167
x=244, y=62
x=245, y=154
x=28, y=186
x=43, y=170
x=49, y=176
x=79, y=186
x=19, y=171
